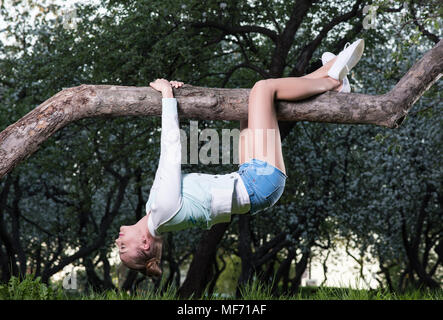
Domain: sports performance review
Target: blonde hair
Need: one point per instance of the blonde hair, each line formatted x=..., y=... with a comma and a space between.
x=152, y=262
x=148, y=263
x=152, y=268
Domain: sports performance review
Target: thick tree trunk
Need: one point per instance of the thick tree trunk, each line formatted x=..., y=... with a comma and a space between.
x=412, y=246
x=24, y=137
x=283, y=273
x=248, y=260
x=8, y=257
x=300, y=268
x=200, y=271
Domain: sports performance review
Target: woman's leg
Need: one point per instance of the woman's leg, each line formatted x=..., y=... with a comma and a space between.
x=260, y=135
x=320, y=72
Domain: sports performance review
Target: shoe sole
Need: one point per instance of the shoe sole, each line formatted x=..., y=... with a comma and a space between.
x=339, y=73
x=346, y=87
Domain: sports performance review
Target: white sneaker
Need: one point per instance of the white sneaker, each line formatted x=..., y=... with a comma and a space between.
x=346, y=60
x=328, y=56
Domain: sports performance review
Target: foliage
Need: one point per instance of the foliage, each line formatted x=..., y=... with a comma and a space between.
x=29, y=288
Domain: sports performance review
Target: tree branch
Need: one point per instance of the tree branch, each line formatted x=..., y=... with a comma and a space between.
x=237, y=29
x=422, y=29
x=308, y=50
x=24, y=137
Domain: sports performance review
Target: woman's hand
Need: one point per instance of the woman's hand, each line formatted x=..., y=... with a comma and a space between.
x=165, y=87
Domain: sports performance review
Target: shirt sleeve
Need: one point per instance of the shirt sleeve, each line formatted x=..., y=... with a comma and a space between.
x=165, y=198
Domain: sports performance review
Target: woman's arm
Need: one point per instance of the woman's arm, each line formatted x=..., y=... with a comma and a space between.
x=165, y=87
x=165, y=198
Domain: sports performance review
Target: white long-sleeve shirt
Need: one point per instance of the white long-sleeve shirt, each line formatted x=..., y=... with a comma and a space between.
x=179, y=201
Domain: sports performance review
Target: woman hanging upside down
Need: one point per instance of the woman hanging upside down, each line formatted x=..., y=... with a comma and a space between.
x=178, y=201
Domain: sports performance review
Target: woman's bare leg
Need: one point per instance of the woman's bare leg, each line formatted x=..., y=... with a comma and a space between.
x=321, y=72
x=260, y=135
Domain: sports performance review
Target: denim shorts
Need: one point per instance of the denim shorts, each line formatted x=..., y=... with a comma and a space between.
x=264, y=183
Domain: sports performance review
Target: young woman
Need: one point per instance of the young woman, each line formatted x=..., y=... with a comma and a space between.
x=178, y=201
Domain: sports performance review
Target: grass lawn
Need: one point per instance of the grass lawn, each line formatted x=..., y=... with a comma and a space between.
x=33, y=289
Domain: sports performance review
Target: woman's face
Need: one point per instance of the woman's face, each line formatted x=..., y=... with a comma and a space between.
x=129, y=242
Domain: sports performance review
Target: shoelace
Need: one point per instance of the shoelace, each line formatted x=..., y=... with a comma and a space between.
x=346, y=45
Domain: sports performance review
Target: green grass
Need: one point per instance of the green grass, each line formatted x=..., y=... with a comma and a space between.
x=32, y=288
x=326, y=293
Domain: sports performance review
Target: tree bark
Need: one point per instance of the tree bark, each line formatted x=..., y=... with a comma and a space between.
x=8, y=257
x=412, y=246
x=200, y=271
x=24, y=137
x=245, y=251
x=283, y=272
x=300, y=267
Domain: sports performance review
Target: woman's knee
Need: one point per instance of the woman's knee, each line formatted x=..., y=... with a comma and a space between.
x=262, y=84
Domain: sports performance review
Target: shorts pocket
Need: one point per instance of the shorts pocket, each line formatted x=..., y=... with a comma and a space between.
x=272, y=180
